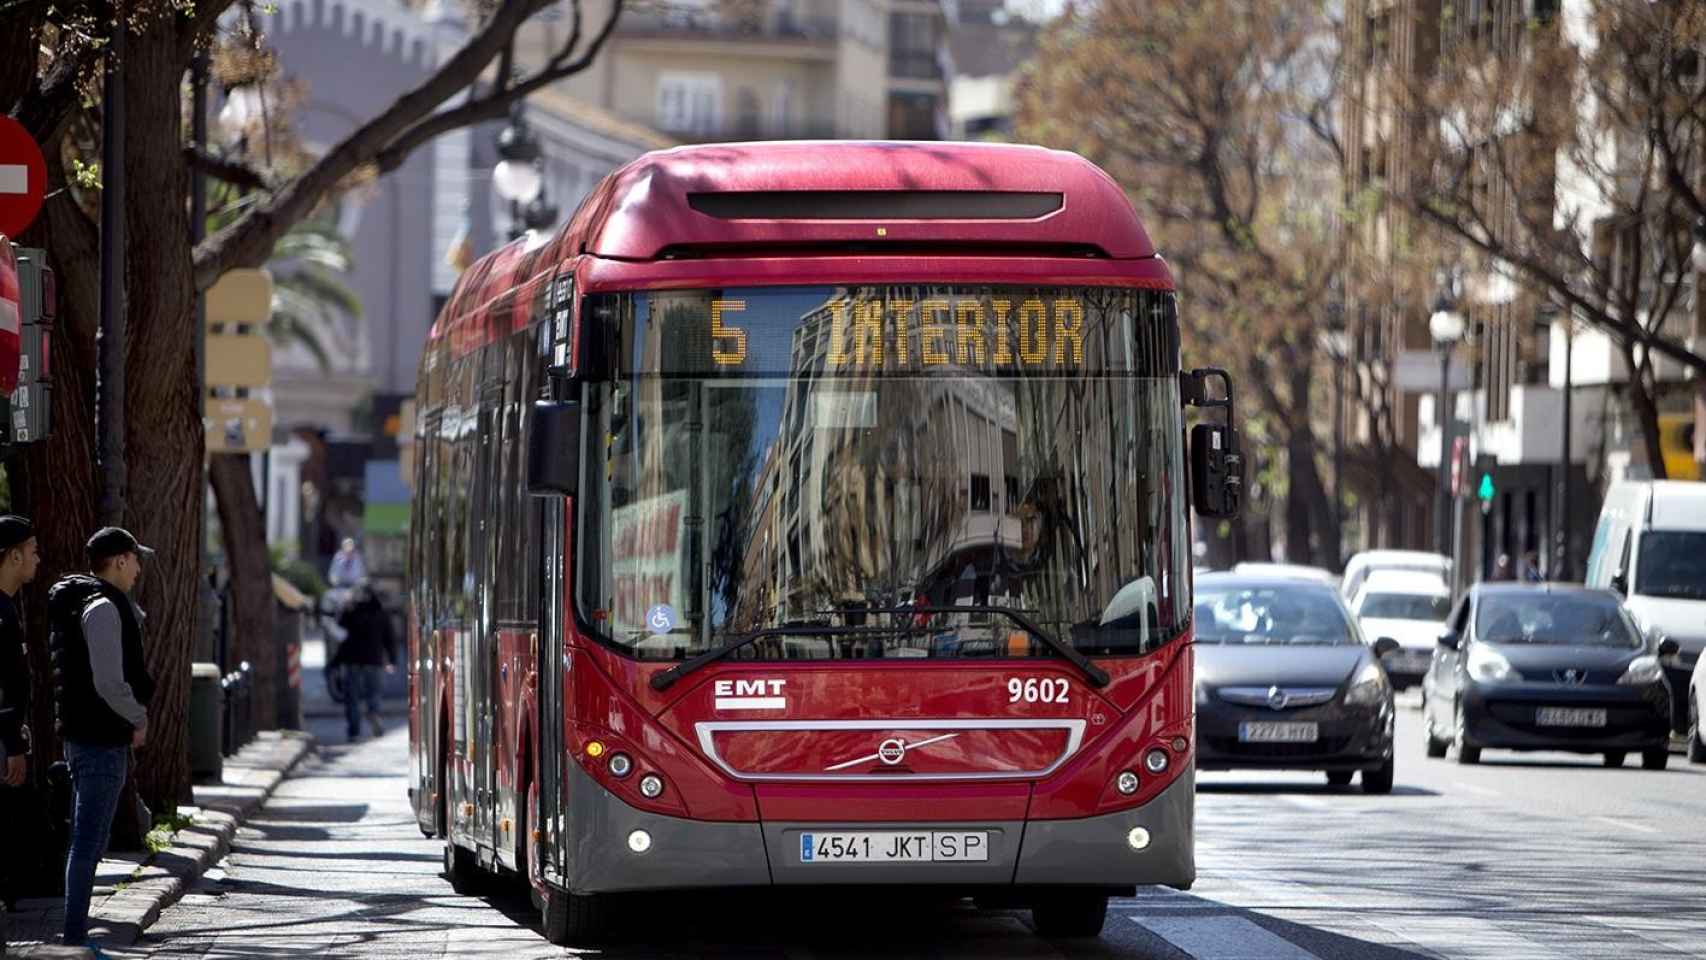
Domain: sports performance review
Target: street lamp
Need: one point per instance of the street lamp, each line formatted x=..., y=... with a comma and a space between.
x=517, y=177
x=1446, y=327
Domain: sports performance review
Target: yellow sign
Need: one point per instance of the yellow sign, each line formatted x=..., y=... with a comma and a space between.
x=1676, y=443
x=240, y=298
x=908, y=335
x=238, y=425
x=238, y=360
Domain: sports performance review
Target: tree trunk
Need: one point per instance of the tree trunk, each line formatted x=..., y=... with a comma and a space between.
x=243, y=530
x=1645, y=410
x=1311, y=529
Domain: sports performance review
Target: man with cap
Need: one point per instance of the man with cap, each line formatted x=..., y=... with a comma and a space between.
x=101, y=691
x=18, y=563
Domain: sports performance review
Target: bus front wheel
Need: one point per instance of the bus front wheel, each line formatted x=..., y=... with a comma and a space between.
x=572, y=919
x=1070, y=915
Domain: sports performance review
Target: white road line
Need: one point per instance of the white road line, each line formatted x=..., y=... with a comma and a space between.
x=1627, y=825
x=1475, y=788
x=1224, y=938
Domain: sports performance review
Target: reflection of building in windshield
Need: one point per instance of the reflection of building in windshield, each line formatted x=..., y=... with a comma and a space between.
x=960, y=488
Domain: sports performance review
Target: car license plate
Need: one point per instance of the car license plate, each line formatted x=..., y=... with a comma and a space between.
x=1569, y=717
x=917, y=846
x=1273, y=731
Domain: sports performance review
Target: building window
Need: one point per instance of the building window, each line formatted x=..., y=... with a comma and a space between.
x=690, y=102
x=1011, y=486
x=980, y=492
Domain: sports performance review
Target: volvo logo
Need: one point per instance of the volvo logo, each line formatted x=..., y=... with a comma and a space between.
x=890, y=752
x=1278, y=698
x=1572, y=675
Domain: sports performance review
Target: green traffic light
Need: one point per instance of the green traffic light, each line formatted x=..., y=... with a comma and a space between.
x=1485, y=492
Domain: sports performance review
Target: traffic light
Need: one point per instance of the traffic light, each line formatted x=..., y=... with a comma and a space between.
x=27, y=309
x=1486, y=490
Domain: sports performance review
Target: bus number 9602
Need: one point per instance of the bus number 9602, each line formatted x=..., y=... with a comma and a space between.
x=1036, y=690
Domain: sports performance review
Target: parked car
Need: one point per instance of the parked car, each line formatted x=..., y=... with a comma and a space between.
x=1361, y=565
x=1289, y=571
x=1286, y=682
x=1547, y=667
x=1650, y=548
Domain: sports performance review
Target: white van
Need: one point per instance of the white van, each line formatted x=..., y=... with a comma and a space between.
x=1368, y=561
x=1650, y=547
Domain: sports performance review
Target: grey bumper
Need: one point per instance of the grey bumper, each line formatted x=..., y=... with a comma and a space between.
x=693, y=853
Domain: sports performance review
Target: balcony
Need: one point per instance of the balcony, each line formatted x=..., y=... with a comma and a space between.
x=915, y=65
x=689, y=22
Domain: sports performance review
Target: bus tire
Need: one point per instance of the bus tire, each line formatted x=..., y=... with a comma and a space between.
x=1070, y=915
x=571, y=919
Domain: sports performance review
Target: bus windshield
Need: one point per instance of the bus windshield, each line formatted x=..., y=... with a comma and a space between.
x=879, y=471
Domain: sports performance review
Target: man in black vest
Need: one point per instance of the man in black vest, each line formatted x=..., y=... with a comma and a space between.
x=101, y=692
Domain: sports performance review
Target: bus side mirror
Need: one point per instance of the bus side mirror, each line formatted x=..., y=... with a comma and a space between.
x=1217, y=467
x=1217, y=471
x=554, y=449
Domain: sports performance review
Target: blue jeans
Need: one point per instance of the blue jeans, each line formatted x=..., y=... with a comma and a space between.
x=97, y=775
x=362, y=686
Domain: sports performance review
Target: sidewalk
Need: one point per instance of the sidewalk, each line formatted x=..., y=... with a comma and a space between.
x=130, y=891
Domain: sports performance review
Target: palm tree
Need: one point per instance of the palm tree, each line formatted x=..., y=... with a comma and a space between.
x=309, y=292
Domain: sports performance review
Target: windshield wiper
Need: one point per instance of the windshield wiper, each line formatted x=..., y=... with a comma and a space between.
x=665, y=679
x=1096, y=675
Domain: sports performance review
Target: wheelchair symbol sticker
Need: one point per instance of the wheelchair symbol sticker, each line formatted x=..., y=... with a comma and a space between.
x=661, y=619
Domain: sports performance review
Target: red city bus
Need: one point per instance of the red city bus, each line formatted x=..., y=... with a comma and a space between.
x=814, y=514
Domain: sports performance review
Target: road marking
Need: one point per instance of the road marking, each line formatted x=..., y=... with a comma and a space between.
x=1475, y=788
x=1224, y=938
x=1625, y=824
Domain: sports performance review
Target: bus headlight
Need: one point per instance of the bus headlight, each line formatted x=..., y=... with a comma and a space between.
x=1126, y=783
x=1155, y=761
x=651, y=786
x=620, y=765
x=639, y=841
x=1138, y=838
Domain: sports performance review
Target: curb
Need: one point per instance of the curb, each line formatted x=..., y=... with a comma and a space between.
x=119, y=920
x=165, y=877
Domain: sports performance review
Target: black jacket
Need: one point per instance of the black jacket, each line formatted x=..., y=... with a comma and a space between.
x=14, y=678
x=81, y=715
x=371, y=641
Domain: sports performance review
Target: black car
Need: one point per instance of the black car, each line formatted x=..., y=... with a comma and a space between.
x=1285, y=681
x=1547, y=667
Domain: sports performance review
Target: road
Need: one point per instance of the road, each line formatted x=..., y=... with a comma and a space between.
x=1522, y=858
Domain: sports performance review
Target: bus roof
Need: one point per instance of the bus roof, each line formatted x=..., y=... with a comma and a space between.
x=670, y=209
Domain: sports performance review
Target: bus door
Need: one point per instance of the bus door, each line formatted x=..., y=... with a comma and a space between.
x=483, y=666
x=552, y=651
x=428, y=532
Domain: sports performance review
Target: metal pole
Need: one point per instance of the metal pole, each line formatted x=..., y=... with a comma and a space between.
x=198, y=231
x=1565, y=485
x=1442, y=526
x=109, y=379
x=1339, y=455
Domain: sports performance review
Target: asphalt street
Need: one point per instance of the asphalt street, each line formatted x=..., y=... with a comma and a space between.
x=1524, y=856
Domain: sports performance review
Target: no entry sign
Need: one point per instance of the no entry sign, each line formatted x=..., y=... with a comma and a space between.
x=23, y=178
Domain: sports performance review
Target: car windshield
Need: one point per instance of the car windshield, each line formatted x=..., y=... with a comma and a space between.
x=1272, y=614
x=1673, y=564
x=1557, y=619
x=880, y=472
x=1405, y=606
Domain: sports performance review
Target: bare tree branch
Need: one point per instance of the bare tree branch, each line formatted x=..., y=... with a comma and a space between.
x=230, y=171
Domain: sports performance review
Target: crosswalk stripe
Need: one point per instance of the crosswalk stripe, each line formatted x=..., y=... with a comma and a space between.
x=1223, y=938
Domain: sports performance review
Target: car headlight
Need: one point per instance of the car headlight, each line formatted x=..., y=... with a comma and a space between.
x=1368, y=687
x=1642, y=671
x=1490, y=666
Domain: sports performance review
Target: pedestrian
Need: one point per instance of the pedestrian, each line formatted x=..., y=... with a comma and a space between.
x=1529, y=570
x=101, y=691
x=1502, y=568
x=366, y=655
x=18, y=562
x=348, y=567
